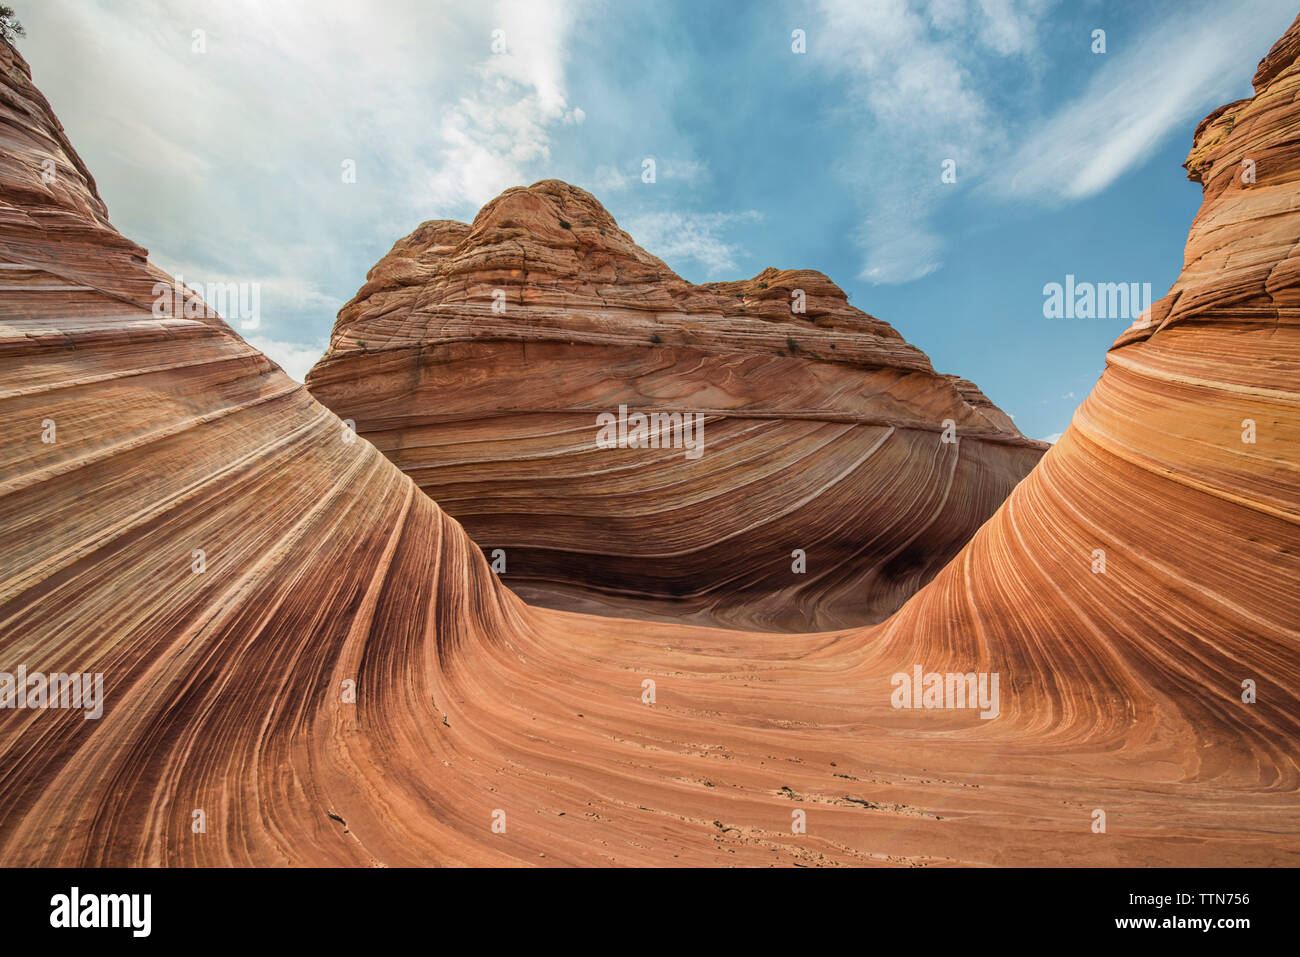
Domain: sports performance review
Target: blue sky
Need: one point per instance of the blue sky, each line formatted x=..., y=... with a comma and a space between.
x=226, y=163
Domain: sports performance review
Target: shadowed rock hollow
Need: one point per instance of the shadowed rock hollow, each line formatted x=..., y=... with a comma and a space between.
x=479, y=357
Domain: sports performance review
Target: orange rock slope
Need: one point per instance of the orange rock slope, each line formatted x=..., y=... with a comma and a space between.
x=347, y=683
x=479, y=358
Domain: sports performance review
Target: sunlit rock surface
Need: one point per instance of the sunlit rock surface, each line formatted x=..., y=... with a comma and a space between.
x=480, y=357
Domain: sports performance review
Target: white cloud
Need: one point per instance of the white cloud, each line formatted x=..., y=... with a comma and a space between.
x=501, y=127
x=294, y=292
x=911, y=92
x=295, y=358
x=1188, y=64
x=610, y=178
x=691, y=236
x=1053, y=438
x=683, y=170
x=923, y=85
x=229, y=161
x=900, y=245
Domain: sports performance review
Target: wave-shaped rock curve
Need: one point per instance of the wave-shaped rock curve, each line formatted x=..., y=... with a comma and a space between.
x=799, y=465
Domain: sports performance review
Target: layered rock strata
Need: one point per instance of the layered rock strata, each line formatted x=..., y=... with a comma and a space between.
x=486, y=360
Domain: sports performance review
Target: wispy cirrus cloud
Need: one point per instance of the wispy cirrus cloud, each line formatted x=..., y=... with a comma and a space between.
x=502, y=127
x=613, y=178
x=1189, y=63
x=957, y=80
x=909, y=73
x=697, y=237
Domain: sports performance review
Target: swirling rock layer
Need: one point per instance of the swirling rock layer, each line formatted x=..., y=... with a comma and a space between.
x=345, y=682
x=479, y=357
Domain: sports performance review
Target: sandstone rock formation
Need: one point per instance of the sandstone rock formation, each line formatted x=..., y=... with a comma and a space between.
x=328, y=573
x=479, y=357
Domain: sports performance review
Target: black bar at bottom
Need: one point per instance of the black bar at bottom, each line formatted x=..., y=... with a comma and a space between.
x=616, y=908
